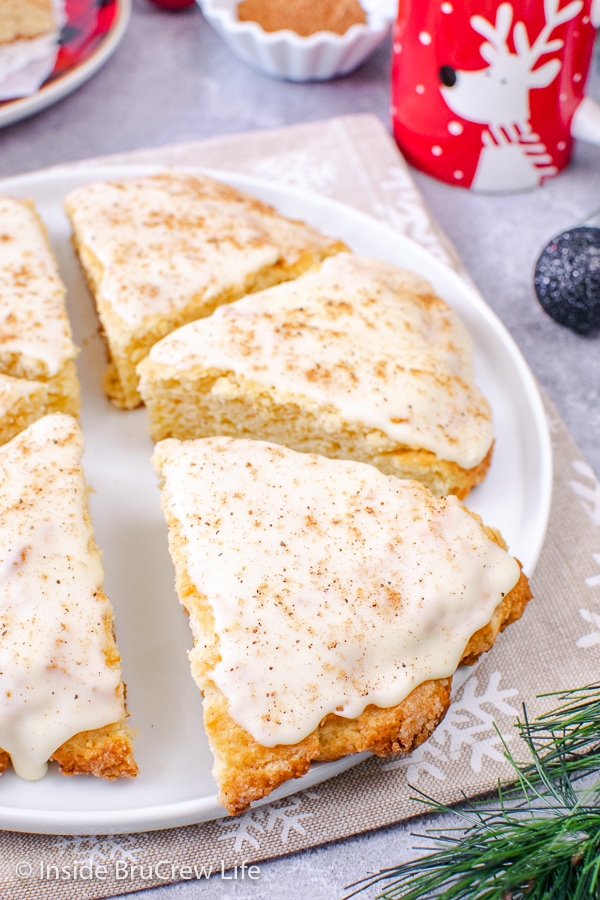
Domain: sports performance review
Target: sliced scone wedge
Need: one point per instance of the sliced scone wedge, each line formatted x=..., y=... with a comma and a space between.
x=330, y=604
x=358, y=360
x=36, y=342
x=62, y=692
x=165, y=249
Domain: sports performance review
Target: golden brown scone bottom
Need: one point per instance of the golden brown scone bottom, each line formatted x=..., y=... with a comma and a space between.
x=103, y=752
x=246, y=771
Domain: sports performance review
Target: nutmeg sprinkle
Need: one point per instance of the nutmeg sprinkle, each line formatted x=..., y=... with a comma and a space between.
x=332, y=585
x=33, y=322
x=53, y=617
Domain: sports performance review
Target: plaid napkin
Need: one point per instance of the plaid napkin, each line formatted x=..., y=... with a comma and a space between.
x=554, y=647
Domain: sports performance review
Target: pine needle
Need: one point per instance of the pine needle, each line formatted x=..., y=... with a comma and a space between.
x=537, y=839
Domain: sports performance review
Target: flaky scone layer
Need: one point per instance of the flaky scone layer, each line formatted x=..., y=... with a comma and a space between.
x=21, y=403
x=201, y=403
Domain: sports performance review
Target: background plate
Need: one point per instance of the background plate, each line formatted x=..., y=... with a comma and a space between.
x=175, y=786
x=90, y=35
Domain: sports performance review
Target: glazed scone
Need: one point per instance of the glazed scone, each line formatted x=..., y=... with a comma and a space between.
x=35, y=335
x=62, y=692
x=359, y=360
x=21, y=403
x=25, y=19
x=162, y=250
x=330, y=604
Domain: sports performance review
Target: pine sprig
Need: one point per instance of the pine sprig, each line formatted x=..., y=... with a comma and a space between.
x=538, y=839
x=570, y=735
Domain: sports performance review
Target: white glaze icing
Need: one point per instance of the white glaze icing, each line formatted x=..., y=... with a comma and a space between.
x=162, y=240
x=332, y=585
x=34, y=330
x=364, y=338
x=55, y=681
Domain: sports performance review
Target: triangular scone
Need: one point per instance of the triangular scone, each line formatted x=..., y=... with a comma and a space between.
x=162, y=250
x=35, y=334
x=62, y=695
x=359, y=360
x=330, y=604
x=21, y=403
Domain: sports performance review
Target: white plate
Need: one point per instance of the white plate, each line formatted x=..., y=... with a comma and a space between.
x=175, y=786
x=14, y=110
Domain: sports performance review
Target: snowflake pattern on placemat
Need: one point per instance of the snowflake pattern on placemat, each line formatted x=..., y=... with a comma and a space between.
x=398, y=209
x=297, y=169
x=587, y=488
x=92, y=851
x=467, y=732
x=281, y=819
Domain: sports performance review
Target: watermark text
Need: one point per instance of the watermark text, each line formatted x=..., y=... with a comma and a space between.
x=124, y=870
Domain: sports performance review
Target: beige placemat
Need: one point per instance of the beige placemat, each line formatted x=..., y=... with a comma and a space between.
x=554, y=647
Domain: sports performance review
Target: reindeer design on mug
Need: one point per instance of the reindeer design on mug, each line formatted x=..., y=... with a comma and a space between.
x=497, y=96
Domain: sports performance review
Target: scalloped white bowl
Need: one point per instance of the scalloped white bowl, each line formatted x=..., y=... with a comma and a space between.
x=287, y=55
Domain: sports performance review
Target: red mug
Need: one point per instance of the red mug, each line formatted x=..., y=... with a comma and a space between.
x=489, y=94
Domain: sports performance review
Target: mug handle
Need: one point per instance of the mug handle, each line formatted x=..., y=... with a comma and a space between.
x=585, y=124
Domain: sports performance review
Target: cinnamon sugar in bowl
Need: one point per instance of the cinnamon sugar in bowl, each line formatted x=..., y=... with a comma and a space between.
x=305, y=17
x=333, y=41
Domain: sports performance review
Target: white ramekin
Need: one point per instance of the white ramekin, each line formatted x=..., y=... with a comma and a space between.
x=287, y=55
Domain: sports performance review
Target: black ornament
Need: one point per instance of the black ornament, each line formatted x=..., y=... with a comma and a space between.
x=567, y=279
